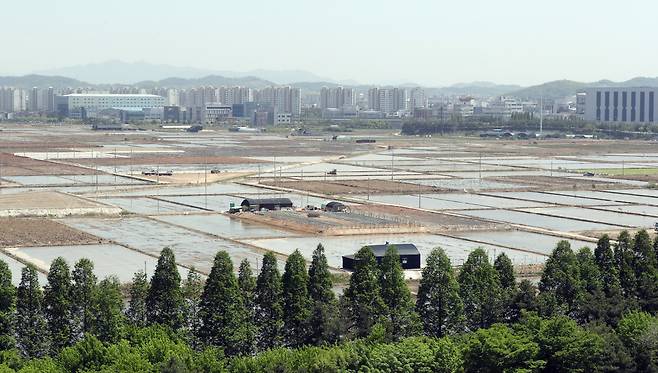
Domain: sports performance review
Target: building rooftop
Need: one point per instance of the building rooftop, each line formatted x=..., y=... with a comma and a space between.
x=111, y=95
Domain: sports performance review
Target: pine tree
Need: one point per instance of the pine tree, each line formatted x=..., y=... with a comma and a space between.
x=320, y=283
x=137, y=306
x=592, y=302
x=296, y=302
x=646, y=271
x=7, y=308
x=480, y=290
x=108, y=323
x=247, y=285
x=609, y=271
x=83, y=295
x=525, y=300
x=164, y=301
x=269, y=304
x=57, y=305
x=438, y=303
x=505, y=269
x=561, y=277
x=221, y=309
x=402, y=319
x=31, y=325
x=324, y=324
x=624, y=260
x=362, y=299
x=191, y=290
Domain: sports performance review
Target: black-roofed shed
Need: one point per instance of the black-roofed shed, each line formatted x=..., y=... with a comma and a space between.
x=255, y=204
x=409, y=255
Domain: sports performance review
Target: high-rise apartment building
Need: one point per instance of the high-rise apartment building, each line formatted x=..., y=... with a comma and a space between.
x=622, y=104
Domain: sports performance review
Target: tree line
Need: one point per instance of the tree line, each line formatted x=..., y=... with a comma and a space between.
x=591, y=311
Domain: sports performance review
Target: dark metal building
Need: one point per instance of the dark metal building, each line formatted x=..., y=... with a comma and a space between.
x=335, y=207
x=409, y=255
x=256, y=204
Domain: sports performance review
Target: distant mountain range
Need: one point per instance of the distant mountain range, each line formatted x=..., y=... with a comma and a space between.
x=145, y=75
x=564, y=88
x=119, y=72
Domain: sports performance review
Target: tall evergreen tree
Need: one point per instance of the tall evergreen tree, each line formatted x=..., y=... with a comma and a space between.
x=438, y=303
x=505, y=269
x=362, y=300
x=480, y=290
x=324, y=324
x=296, y=302
x=402, y=320
x=247, y=285
x=222, y=312
x=31, y=324
x=624, y=260
x=57, y=305
x=605, y=259
x=83, y=295
x=269, y=304
x=320, y=283
x=561, y=277
x=646, y=271
x=108, y=322
x=137, y=305
x=525, y=299
x=590, y=276
x=7, y=308
x=164, y=300
x=192, y=290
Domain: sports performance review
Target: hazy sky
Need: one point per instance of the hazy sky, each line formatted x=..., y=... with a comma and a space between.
x=431, y=42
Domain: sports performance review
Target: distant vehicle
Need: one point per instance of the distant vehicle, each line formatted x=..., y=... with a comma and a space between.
x=332, y=172
x=588, y=174
x=157, y=173
x=195, y=129
x=215, y=171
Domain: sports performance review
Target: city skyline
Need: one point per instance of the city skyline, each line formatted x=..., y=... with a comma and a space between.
x=369, y=42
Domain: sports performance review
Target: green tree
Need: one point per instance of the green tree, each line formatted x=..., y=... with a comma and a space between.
x=438, y=303
x=646, y=271
x=296, y=301
x=605, y=259
x=108, y=322
x=57, y=305
x=508, y=289
x=479, y=288
x=525, y=300
x=499, y=349
x=247, y=285
x=592, y=302
x=7, y=308
x=31, y=324
x=83, y=295
x=191, y=291
x=561, y=276
x=590, y=276
x=402, y=319
x=624, y=260
x=222, y=312
x=164, y=300
x=137, y=306
x=362, y=300
x=269, y=304
x=566, y=347
x=324, y=325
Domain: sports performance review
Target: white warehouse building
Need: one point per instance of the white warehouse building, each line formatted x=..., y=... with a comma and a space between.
x=73, y=104
x=621, y=104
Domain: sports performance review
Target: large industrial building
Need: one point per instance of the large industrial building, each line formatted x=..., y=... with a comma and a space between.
x=83, y=105
x=621, y=104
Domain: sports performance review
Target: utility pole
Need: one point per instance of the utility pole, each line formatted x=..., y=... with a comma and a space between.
x=541, y=115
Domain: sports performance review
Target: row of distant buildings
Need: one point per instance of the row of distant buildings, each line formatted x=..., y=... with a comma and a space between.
x=286, y=105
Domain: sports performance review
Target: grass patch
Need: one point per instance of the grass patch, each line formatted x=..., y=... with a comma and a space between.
x=621, y=171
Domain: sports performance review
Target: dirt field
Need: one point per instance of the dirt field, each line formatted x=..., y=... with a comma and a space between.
x=553, y=183
x=11, y=165
x=23, y=232
x=164, y=159
x=353, y=186
x=43, y=200
x=433, y=221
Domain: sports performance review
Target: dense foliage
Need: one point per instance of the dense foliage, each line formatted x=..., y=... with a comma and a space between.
x=592, y=312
